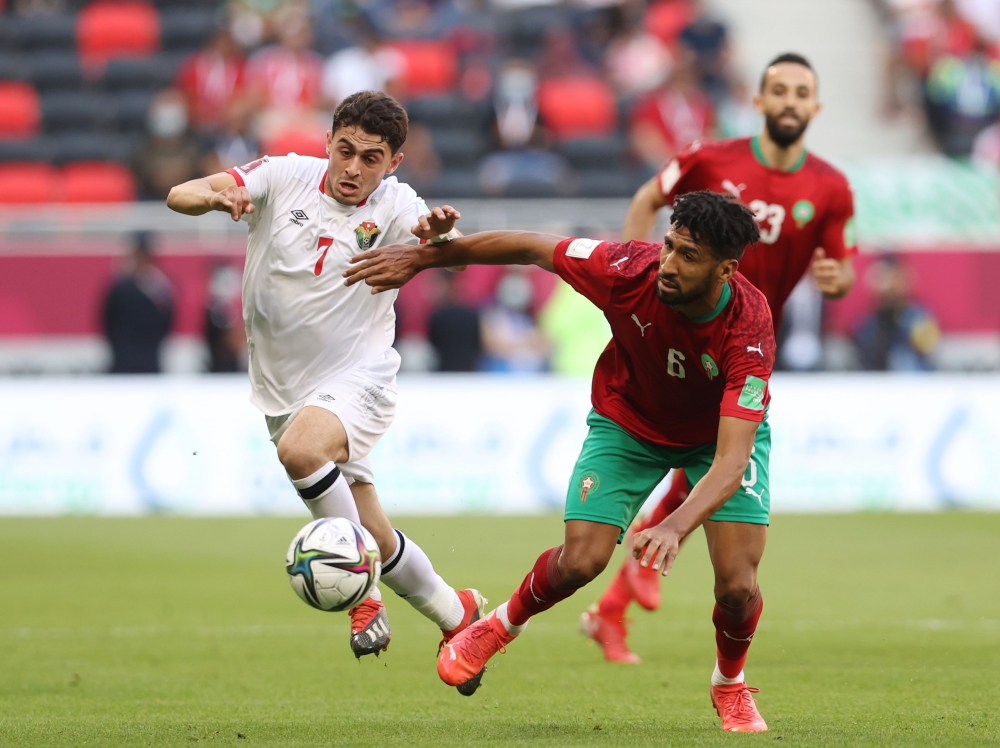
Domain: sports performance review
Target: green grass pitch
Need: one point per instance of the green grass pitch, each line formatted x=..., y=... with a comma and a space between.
x=877, y=630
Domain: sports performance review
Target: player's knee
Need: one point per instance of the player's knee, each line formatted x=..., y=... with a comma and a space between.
x=735, y=589
x=581, y=566
x=299, y=459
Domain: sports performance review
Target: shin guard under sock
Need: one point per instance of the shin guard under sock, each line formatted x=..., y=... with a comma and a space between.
x=734, y=630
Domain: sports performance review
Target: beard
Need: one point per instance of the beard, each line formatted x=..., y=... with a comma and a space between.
x=783, y=135
x=676, y=296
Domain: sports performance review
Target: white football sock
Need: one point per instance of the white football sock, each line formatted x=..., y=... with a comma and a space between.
x=327, y=494
x=501, y=614
x=718, y=679
x=410, y=574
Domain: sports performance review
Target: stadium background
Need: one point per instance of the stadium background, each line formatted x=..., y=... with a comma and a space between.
x=527, y=115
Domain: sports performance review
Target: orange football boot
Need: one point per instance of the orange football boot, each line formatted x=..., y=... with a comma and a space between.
x=475, y=608
x=609, y=635
x=462, y=662
x=737, y=709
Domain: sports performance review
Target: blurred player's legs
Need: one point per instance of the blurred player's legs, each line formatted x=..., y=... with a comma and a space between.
x=735, y=549
x=327, y=442
x=605, y=622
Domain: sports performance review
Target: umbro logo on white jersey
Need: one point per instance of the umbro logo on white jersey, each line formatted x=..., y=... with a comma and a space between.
x=298, y=216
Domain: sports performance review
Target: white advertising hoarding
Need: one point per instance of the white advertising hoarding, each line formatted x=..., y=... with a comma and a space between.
x=477, y=444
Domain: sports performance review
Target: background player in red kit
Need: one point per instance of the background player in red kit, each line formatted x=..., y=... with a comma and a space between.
x=805, y=211
x=683, y=383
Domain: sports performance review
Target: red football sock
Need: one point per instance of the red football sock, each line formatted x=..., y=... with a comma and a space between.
x=675, y=496
x=615, y=600
x=734, y=630
x=540, y=590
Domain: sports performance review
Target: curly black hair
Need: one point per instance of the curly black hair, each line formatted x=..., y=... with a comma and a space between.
x=717, y=219
x=377, y=114
x=792, y=57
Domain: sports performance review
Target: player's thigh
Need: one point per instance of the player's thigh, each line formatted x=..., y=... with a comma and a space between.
x=736, y=549
x=613, y=475
x=314, y=437
x=373, y=517
x=364, y=402
x=752, y=501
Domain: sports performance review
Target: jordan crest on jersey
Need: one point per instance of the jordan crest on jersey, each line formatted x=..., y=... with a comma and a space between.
x=366, y=234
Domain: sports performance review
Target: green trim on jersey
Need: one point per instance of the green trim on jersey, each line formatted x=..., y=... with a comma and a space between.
x=724, y=297
x=615, y=473
x=759, y=155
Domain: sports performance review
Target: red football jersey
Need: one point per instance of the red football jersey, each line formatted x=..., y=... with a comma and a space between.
x=798, y=210
x=664, y=378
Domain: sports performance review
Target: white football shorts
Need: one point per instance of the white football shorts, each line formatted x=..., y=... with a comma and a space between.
x=364, y=402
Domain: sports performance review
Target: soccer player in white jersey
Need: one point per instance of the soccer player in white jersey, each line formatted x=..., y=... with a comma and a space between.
x=322, y=366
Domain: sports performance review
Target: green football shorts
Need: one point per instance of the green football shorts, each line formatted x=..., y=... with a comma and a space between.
x=615, y=473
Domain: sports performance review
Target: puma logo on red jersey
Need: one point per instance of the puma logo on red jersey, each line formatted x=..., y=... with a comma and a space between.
x=752, y=349
x=642, y=327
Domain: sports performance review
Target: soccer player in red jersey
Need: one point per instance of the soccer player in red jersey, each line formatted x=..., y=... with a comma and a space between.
x=805, y=210
x=683, y=383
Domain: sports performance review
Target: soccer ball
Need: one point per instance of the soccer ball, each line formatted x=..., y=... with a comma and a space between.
x=333, y=563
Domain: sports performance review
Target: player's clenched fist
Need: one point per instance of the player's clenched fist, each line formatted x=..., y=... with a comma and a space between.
x=234, y=200
x=657, y=547
x=437, y=223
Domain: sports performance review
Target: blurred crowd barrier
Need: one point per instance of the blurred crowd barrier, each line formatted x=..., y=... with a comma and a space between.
x=477, y=444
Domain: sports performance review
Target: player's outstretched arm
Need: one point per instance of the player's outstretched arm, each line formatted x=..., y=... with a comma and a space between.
x=391, y=267
x=641, y=216
x=217, y=192
x=658, y=546
x=437, y=225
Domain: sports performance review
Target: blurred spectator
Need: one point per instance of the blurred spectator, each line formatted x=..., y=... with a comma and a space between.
x=210, y=79
x=284, y=80
x=138, y=312
x=413, y=19
x=365, y=66
x=638, y=62
x=669, y=119
x=224, y=330
x=963, y=98
x=511, y=340
x=561, y=56
x=454, y=328
x=707, y=39
x=421, y=165
x=233, y=145
x=530, y=171
x=900, y=334
x=735, y=114
x=514, y=99
x=169, y=155
x=577, y=330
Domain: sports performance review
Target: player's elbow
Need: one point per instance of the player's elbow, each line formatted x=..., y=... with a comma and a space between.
x=175, y=199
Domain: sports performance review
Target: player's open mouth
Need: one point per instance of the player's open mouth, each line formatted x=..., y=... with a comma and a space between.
x=347, y=188
x=667, y=286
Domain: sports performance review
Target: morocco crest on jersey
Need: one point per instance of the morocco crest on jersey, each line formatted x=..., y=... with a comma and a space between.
x=366, y=234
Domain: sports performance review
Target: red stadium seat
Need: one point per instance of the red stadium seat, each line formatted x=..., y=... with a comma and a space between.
x=26, y=182
x=429, y=67
x=577, y=107
x=20, y=110
x=296, y=141
x=127, y=28
x=97, y=182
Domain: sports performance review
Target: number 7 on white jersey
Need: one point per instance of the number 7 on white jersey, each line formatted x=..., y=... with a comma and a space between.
x=324, y=243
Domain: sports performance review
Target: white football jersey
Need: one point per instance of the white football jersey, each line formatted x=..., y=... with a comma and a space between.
x=303, y=324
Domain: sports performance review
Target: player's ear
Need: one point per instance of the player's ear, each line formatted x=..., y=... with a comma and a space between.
x=758, y=104
x=329, y=142
x=394, y=163
x=727, y=269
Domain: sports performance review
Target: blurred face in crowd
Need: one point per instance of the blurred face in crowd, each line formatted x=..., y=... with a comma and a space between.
x=688, y=270
x=359, y=161
x=788, y=102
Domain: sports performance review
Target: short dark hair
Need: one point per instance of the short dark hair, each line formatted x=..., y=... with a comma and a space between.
x=717, y=219
x=377, y=114
x=792, y=57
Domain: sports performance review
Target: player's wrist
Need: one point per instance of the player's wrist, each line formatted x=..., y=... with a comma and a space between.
x=446, y=237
